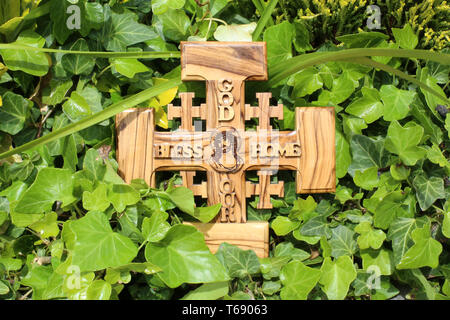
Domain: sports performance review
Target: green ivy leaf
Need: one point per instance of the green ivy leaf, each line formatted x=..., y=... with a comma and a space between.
x=424, y=252
x=343, y=157
x=369, y=238
x=235, y=32
x=99, y=290
x=76, y=107
x=122, y=195
x=37, y=278
x=279, y=42
x=78, y=64
x=405, y=37
x=96, y=200
x=161, y=6
x=51, y=185
x=367, y=153
x=298, y=280
x=55, y=93
x=174, y=24
x=367, y=179
x=382, y=259
x=368, y=107
x=47, y=227
x=342, y=242
x=184, y=257
x=206, y=214
x=428, y=190
x=97, y=246
x=446, y=225
x=316, y=226
x=396, y=102
x=124, y=31
x=435, y=155
x=31, y=62
x=390, y=207
x=183, y=198
x=337, y=276
x=400, y=234
x=155, y=228
x=239, y=263
x=306, y=82
x=403, y=141
x=208, y=291
x=283, y=225
x=129, y=67
x=14, y=112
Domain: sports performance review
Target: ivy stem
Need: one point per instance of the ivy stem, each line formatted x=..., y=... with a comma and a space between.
x=142, y=244
x=103, y=71
x=218, y=20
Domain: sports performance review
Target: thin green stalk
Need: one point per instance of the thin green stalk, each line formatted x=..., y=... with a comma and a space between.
x=286, y=68
x=96, y=118
x=264, y=18
x=136, y=55
x=401, y=74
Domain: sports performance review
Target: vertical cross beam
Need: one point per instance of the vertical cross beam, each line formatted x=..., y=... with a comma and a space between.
x=225, y=66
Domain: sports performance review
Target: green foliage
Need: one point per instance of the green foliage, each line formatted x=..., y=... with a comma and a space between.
x=70, y=228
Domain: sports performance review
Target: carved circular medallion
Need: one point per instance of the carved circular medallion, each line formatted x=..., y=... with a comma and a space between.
x=225, y=144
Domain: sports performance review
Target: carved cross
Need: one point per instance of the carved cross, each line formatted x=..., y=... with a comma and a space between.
x=226, y=150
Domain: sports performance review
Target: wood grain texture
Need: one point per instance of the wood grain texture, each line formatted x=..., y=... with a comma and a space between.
x=135, y=128
x=253, y=235
x=317, y=168
x=216, y=60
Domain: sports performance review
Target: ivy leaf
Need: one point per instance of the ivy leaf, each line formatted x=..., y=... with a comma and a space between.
x=446, y=225
x=428, y=190
x=279, y=42
x=206, y=214
x=122, y=195
x=239, y=263
x=155, y=228
x=174, y=24
x=124, y=31
x=343, y=157
x=390, y=207
x=76, y=107
x=51, y=185
x=403, y=141
x=99, y=290
x=435, y=155
x=78, y=64
x=283, y=225
x=306, y=82
x=298, y=280
x=367, y=179
x=396, y=102
x=424, y=252
x=208, y=291
x=400, y=234
x=47, y=227
x=337, y=276
x=316, y=226
x=405, y=37
x=161, y=6
x=14, y=112
x=368, y=107
x=29, y=61
x=129, y=67
x=369, y=238
x=37, y=278
x=96, y=200
x=287, y=249
x=183, y=198
x=184, y=257
x=342, y=242
x=235, y=32
x=378, y=258
x=55, y=93
x=367, y=153
x=97, y=246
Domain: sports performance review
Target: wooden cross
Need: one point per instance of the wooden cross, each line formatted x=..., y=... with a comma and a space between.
x=225, y=149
